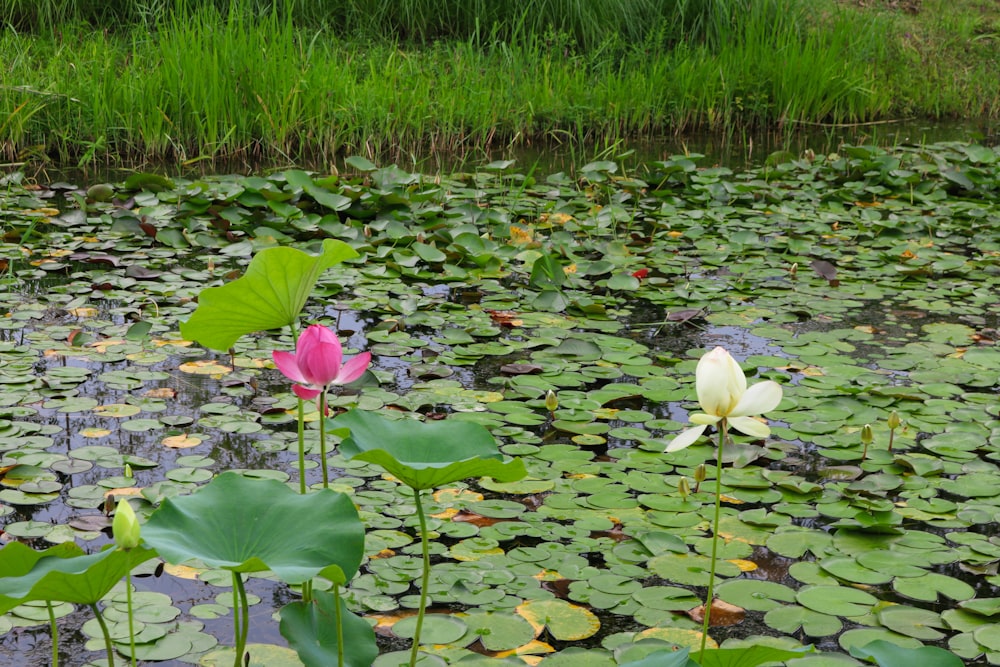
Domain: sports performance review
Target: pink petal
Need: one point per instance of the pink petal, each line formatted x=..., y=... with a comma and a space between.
x=354, y=368
x=321, y=363
x=305, y=393
x=288, y=365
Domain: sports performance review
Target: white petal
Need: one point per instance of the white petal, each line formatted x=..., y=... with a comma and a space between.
x=750, y=426
x=760, y=398
x=685, y=439
x=720, y=382
x=707, y=420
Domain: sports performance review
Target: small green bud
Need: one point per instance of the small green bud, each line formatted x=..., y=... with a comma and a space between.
x=125, y=527
x=894, y=421
x=684, y=487
x=866, y=434
x=551, y=401
x=128, y=471
x=700, y=473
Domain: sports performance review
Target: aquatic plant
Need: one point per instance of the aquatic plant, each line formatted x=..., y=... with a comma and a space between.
x=423, y=455
x=314, y=367
x=723, y=395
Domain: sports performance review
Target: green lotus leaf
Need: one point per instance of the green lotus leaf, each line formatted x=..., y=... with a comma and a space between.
x=62, y=573
x=252, y=525
x=270, y=295
x=424, y=455
x=749, y=656
x=311, y=629
x=664, y=658
x=887, y=654
x=912, y=622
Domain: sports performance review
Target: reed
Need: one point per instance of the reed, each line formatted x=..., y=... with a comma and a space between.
x=208, y=81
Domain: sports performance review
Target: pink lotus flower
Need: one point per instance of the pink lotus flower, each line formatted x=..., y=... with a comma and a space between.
x=317, y=362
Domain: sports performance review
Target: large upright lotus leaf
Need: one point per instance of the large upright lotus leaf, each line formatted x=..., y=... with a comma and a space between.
x=424, y=455
x=270, y=295
x=252, y=525
x=62, y=573
x=311, y=629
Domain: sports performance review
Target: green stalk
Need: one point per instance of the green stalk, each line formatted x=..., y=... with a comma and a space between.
x=424, y=578
x=105, y=632
x=340, y=625
x=241, y=618
x=322, y=439
x=128, y=604
x=302, y=447
x=54, y=631
x=710, y=596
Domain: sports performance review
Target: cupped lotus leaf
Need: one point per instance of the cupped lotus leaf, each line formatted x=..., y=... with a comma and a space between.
x=748, y=656
x=663, y=658
x=887, y=654
x=311, y=629
x=62, y=573
x=270, y=295
x=424, y=455
x=251, y=525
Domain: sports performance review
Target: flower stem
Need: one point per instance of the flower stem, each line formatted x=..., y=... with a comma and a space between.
x=128, y=605
x=322, y=439
x=104, y=630
x=302, y=447
x=338, y=617
x=241, y=618
x=710, y=596
x=54, y=631
x=424, y=579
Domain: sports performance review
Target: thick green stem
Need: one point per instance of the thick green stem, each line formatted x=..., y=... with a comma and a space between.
x=54, y=631
x=104, y=631
x=322, y=439
x=241, y=618
x=424, y=579
x=128, y=605
x=302, y=426
x=338, y=617
x=710, y=596
x=302, y=447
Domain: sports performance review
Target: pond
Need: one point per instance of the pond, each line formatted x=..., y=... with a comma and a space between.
x=864, y=283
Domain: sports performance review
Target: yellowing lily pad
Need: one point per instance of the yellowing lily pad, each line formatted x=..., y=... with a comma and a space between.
x=565, y=621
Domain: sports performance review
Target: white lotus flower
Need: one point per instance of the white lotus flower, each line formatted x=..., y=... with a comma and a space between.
x=723, y=394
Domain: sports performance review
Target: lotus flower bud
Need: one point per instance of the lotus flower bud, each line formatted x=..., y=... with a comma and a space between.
x=125, y=527
x=700, y=473
x=867, y=435
x=128, y=471
x=684, y=487
x=551, y=401
x=894, y=421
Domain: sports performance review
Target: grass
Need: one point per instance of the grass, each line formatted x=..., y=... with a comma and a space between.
x=299, y=81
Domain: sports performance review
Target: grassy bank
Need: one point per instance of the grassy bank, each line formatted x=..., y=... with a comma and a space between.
x=164, y=80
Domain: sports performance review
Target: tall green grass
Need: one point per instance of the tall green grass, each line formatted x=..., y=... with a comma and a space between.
x=210, y=83
x=584, y=24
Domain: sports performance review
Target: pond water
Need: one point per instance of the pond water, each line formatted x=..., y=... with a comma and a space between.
x=864, y=285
